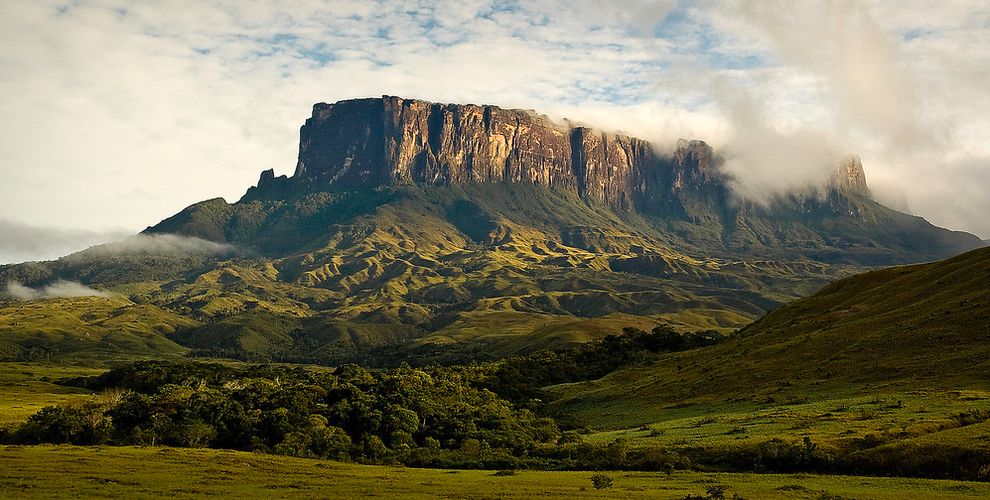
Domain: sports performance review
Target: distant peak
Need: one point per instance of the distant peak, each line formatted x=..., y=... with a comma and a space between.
x=849, y=177
x=696, y=144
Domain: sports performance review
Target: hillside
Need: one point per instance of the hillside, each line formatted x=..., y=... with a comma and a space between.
x=425, y=267
x=922, y=327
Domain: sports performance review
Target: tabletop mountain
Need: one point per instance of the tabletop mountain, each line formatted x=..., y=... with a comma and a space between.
x=412, y=228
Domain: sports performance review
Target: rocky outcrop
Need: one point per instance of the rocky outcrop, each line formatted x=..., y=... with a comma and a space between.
x=612, y=168
x=850, y=178
x=389, y=140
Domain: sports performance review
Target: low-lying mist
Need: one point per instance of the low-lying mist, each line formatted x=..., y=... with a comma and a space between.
x=58, y=289
x=22, y=242
x=159, y=244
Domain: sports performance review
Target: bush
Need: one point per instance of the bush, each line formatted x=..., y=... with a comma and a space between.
x=601, y=481
x=713, y=491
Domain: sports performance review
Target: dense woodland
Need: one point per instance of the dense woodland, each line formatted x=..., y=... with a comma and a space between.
x=479, y=415
x=407, y=415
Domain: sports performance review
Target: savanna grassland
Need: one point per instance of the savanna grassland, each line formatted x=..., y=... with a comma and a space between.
x=437, y=274
x=154, y=472
x=27, y=387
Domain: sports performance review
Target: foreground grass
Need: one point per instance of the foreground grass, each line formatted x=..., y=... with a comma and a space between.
x=904, y=415
x=131, y=472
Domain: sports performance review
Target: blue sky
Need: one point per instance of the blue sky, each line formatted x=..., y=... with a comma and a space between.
x=116, y=114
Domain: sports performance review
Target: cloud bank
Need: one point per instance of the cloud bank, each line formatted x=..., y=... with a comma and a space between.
x=22, y=242
x=58, y=289
x=159, y=244
x=156, y=106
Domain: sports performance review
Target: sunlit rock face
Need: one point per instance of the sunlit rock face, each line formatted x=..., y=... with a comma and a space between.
x=372, y=142
x=850, y=178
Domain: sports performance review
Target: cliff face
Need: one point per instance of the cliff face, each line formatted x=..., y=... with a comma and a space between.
x=452, y=144
x=849, y=177
x=373, y=142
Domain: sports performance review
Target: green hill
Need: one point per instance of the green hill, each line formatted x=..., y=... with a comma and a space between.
x=921, y=327
x=491, y=270
x=884, y=372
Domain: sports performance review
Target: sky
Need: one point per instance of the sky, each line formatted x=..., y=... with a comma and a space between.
x=116, y=114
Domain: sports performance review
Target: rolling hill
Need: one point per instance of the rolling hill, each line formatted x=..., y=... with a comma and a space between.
x=910, y=328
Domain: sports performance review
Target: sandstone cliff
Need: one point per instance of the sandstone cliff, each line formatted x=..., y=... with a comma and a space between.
x=850, y=177
x=390, y=140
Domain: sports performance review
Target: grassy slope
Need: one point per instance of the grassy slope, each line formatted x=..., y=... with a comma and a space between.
x=25, y=388
x=62, y=471
x=923, y=326
x=94, y=328
x=892, y=356
x=510, y=267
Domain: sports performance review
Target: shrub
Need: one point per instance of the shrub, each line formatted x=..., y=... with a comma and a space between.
x=713, y=492
x=601, y=481
x=716, y=491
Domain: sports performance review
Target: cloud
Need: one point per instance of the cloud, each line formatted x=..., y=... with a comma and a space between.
x=159, y=245
x=764, y=162
x=156, y=106
x=22, y=242
x=58, y=289
x=163, y=244
x=894, y=82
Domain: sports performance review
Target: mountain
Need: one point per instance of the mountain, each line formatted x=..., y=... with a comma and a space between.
x=390, y=141
x=922, y=327
x=415, y=230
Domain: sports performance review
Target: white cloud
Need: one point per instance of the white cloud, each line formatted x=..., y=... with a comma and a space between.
x=158, y=244
x=901, y=83
x=58, y=289
x=118, y=113
x=21, y=242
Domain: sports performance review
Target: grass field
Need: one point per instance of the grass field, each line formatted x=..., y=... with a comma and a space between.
x=27, y=387
x=129, y=472
x=897, y=423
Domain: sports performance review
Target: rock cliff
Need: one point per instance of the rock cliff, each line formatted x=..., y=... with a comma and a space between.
x=849, y=177
x=390, y=140
x=371, y=142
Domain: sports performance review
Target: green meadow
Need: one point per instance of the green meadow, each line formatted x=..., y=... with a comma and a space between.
x=151, y=472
